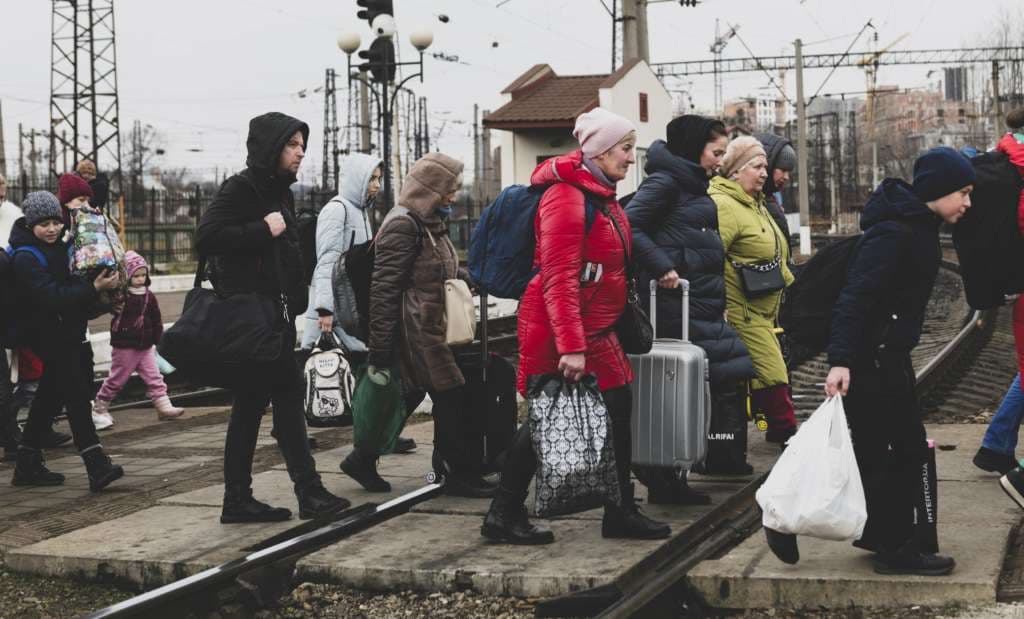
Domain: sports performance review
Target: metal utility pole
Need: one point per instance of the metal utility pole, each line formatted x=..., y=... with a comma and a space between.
x=643, y=46
x=476, y=151
x=801, y=153
x=997, y=107
x=721, y=40
x=3, y=152
x=630, y=31
x=365, y=143
x=330, y=161
x=83, y=85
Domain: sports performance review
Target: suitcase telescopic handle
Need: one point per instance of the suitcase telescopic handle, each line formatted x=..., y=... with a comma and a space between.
x=685, y=285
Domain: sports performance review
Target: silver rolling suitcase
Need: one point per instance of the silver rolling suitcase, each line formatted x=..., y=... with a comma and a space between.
x=671, y=397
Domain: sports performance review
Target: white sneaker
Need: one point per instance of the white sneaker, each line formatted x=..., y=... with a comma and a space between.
x=102, y=422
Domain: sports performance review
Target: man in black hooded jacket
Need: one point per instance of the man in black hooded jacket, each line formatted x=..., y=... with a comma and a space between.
x=781, y=162
x=250, y=235
x=876, y=323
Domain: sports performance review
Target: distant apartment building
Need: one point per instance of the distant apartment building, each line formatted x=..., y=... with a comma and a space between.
x=751, y=114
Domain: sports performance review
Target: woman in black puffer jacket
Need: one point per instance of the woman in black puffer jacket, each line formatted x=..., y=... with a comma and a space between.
x=675, y=235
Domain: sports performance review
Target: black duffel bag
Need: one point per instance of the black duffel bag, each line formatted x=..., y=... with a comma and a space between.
x=225, y=340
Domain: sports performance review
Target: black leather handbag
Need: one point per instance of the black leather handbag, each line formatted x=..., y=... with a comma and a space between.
x=227, y=340
x=633, y=328
x=762, y=278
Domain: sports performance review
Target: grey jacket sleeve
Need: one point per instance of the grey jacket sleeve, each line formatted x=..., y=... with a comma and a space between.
x=331, y=241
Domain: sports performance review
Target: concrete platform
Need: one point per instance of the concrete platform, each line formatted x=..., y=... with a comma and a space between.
x=435, y=547
x=975, y=519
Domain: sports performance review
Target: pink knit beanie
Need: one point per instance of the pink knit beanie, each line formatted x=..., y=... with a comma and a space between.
x=598, y=130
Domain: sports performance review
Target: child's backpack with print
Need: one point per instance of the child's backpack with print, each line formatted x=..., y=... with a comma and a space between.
x=330, y=384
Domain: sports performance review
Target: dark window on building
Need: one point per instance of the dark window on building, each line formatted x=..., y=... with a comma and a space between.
x=643, y=107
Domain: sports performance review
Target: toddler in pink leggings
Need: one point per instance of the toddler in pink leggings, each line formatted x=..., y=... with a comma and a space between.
x=134, y=334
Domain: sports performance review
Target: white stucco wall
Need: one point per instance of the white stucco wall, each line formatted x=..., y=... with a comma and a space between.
x=624, y=100
x=520, y=148
x=531, y=144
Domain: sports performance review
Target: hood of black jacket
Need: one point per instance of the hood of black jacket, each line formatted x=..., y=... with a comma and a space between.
x=691, y=177
x=894, y=199
x=773, y=145
x=268, y=135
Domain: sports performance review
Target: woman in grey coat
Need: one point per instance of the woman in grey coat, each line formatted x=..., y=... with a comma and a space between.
x=342, y=223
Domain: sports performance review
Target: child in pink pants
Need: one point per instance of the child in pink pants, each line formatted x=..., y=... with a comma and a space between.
x=134, y=333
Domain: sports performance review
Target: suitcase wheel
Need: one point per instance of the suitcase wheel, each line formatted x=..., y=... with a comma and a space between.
x=761, y=422
x=433, y=477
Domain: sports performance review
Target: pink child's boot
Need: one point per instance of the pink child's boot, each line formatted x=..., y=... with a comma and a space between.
x=165, y=410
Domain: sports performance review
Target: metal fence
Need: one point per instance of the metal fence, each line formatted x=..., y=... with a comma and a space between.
x=160, y=224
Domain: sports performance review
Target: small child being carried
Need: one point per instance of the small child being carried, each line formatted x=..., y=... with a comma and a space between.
x=134, y=333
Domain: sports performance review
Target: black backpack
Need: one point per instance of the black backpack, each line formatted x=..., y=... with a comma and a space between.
x=806, y=313
x=986, y=239
x=306, y=224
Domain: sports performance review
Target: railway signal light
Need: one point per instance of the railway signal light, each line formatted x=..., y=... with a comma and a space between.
x=373, y=8
x=380, y=60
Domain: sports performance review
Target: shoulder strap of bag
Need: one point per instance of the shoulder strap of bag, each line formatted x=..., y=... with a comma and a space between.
x=625, y=247
x=775, y=235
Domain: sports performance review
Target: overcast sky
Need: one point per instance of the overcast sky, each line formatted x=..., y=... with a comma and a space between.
x=197, y=70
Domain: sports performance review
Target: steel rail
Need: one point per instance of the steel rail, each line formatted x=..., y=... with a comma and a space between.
x=216, y=578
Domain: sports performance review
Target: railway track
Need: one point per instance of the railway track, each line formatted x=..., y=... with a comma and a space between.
x=961, y=357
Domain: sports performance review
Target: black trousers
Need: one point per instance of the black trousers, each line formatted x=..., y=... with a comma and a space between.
x=458, y=436
x=521, y=460
x=282, y=386
x=8, y=423
x=66, y=384
x=889, y=442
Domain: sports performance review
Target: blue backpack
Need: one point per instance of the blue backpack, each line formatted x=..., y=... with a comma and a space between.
x=7, y=300
x=503, y=244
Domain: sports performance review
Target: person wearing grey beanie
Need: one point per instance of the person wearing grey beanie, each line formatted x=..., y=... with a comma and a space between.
x=39, y=206
x=50, y=317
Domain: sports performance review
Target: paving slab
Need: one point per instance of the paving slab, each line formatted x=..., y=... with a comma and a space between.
x=148, y=548
x=834, y=575
x=436, y=546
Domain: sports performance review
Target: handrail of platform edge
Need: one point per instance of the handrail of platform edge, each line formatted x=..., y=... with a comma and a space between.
x=297, y=546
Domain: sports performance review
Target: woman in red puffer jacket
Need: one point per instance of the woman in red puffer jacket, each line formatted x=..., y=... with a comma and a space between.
x=567, y=314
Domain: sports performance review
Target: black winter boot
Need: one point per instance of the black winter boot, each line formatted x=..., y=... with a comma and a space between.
x=627, y=521
x=506, y=522
x=462, y=483
x=362, y=467
x=404, y=445
x=102, y=472
x=910, y=560
x=240, y=506
x=30, y=469
x=676, y=492
x=783, y=545
x=316, y=502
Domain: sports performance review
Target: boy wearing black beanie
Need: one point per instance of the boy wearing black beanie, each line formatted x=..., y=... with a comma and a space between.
x=876, y=323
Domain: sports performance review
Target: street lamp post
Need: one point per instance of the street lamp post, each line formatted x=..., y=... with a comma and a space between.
x=382, y=66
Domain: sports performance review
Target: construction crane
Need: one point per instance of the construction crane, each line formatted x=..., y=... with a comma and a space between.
x=721, y=40
x=870, y=66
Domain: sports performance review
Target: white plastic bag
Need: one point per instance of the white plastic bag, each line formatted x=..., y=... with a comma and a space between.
x=815, y=487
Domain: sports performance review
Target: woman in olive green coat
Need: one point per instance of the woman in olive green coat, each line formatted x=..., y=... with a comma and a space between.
x=751, y=236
